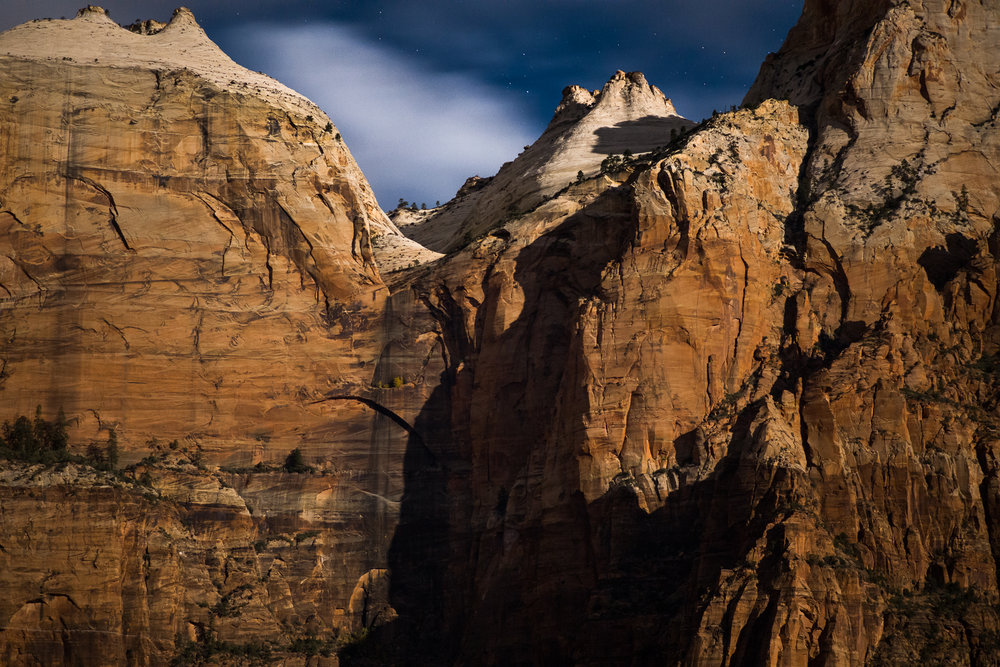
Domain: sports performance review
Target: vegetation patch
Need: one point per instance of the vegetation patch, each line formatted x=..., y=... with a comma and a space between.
x=232, y=603
x=39, y=440
x=305, y=535
x=899, y=185
x=207, y=649
x=296, y=463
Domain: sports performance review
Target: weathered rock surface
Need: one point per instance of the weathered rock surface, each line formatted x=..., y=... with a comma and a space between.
x=187, y=230
x=102, y=570
x=734, y=403
x=741, y=408
x=185, y=254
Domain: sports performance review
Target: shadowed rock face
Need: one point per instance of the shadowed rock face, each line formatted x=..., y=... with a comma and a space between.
x=734, y=403
x=741, y=408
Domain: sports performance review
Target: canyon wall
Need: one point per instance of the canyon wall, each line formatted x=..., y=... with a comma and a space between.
x=732, y=401
x=737, y=404
x=185, y=263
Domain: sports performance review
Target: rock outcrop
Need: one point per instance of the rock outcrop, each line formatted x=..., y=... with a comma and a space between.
x=191, y=231
x=185, y=255
x=626, y=115
x=101, y=569
x=738, y=404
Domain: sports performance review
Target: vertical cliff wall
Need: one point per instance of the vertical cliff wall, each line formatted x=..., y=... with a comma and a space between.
x=736, y=404
x=185, y=263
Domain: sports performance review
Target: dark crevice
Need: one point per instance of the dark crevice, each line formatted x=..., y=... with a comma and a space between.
x=16, y=219
x=46, y=597
x=839, y=280
x=665, y=180
x=267, y=261
x=743, y=304
x=450, y=318
x=794, y=223
x=27, y=274
x=112, y=208
x=206, y=140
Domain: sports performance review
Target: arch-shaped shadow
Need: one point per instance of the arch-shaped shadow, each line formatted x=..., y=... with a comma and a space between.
x=415, y=437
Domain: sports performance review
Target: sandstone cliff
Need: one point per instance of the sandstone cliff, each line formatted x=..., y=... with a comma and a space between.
x=185, y=255
x=732, y=402
x=193, y=232
x=737, y=405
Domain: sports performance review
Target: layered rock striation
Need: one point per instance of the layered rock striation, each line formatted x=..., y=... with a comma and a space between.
x=733, y=401
x=185, y=256
x=186, y=244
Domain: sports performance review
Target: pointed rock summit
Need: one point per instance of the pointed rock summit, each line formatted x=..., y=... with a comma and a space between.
x=93, y=38
x=632, y=93
x=624, y=95
x=93, y=13
x=183, y=17
x=627, y=114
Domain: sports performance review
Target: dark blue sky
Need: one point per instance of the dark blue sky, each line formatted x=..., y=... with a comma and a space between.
x=428, y=93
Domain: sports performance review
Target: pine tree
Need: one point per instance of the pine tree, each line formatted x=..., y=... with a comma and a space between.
x=59, y=437
x=111, y=451
x=295, y=462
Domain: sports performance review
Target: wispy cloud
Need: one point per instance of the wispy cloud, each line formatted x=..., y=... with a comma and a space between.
x=416, y=133
x=427, y=93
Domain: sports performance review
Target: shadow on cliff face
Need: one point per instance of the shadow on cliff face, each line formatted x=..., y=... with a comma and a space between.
x=485, y=434
x=640, y=135
x=419, y=552
x=942, y=264
x=498, y=558
x=654, y=570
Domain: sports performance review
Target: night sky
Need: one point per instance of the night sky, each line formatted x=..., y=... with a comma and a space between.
x=429, y=93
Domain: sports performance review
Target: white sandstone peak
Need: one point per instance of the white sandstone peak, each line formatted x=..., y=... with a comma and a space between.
x=627, y=114
x=93, y=13
x=94, y=39
x=632, y=91
x=183, y=19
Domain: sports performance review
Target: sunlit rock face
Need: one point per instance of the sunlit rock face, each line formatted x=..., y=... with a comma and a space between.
x=738, y=404
x=626, y=115
x=186, y=243
x=732, y=401
x=185, y=256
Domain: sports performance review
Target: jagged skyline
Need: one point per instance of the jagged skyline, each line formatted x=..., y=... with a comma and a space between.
x=428, y=95
x=732, y=399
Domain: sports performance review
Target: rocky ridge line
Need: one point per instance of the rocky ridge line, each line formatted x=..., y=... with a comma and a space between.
x=627, y=114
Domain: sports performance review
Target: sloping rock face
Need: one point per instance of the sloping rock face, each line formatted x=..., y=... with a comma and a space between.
x=185, y=255
x=627, y=114
x=191, y=232
x=737, y=405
